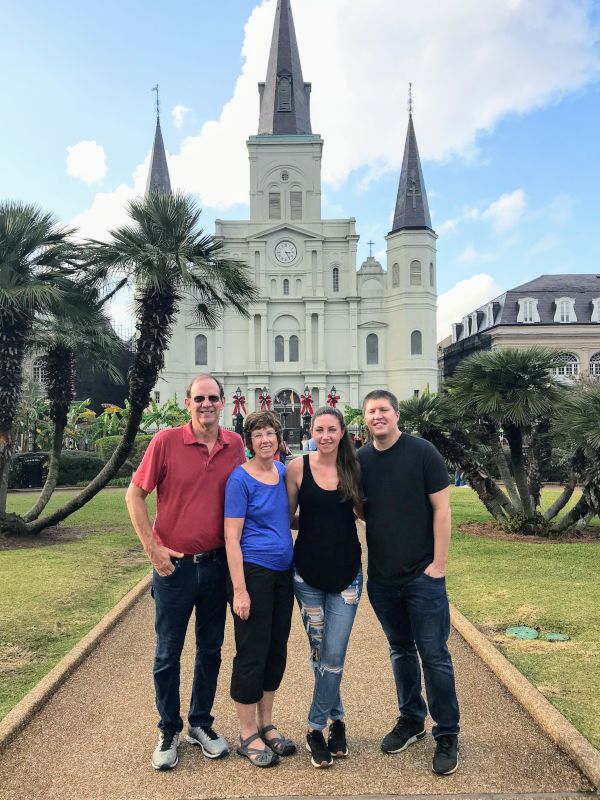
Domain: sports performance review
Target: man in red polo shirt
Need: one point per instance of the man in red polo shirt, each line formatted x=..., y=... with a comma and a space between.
x=188, y=467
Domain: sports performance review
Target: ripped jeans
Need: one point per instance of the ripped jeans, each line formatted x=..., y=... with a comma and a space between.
x=328, y=618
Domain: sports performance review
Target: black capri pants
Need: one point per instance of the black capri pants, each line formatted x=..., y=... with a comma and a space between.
x=261, y=640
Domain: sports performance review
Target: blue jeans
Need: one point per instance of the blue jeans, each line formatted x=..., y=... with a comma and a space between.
x=417, y=618
x=191, y=586
x=328, y=618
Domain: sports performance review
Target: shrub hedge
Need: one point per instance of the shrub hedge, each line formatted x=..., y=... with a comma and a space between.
x=106, y=446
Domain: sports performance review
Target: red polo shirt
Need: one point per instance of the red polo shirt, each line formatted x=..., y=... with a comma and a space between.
x=190, y=486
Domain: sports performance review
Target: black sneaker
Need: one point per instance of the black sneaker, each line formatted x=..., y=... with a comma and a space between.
x=336, y=741
x=404, y=733
x=445, y=759
x=321, y=758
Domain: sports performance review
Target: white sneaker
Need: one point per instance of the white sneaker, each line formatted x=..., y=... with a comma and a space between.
x=213, y=744
x=165, y=754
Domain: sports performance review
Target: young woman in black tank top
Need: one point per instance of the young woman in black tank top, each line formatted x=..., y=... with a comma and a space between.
x=327, y=575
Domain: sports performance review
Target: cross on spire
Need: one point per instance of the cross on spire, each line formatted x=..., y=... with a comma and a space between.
x=410, y=99
x=155, y=89
x=370, y=248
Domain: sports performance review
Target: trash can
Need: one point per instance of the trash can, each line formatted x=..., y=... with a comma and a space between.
x=32, y=470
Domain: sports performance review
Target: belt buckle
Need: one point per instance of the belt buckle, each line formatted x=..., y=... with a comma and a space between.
x=198, y=557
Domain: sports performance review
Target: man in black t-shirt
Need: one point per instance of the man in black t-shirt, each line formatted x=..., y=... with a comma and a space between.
x=407, y=514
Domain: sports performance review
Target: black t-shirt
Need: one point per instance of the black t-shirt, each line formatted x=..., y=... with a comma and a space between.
x=398, y=512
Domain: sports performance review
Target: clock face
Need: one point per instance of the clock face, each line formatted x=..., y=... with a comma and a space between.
x=286, y=252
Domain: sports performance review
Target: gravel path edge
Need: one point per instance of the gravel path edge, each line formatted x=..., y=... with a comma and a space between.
x=18, y=717
x=549, y=719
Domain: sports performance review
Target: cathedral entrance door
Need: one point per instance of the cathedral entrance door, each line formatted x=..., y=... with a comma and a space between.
x=287, y=406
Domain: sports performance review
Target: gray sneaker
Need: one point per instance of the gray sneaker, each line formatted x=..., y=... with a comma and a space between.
x=165, y=755
x=213, y=745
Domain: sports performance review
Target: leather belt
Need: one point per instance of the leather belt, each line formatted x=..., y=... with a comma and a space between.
x=196, y=558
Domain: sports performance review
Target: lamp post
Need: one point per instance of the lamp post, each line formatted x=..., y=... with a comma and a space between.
x=239, y=417
x=306, y=410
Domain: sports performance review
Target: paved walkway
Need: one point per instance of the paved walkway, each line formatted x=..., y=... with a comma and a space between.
x=94, y=739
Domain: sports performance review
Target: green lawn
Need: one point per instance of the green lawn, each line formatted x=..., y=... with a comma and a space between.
x=553, y=587
x=53, y=595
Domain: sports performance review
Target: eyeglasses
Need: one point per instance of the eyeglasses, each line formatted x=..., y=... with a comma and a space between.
x=212, y=398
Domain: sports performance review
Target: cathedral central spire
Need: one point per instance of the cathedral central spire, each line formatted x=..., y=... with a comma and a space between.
x=284, y=97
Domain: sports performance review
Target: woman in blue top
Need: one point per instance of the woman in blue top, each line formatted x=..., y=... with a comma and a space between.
x=259, y=553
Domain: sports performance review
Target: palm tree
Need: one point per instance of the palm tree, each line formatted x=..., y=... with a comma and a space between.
x=37, y=257
x=514, y=390
x=165, y=258
x=578, y=428
x=65, y=344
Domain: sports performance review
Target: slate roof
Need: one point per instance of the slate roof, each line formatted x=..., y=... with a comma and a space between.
x=158, y=174
x=276, y=117
x=546, y=289
x=412, y=210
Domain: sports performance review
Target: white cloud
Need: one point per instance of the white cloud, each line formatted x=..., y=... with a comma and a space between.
x=86, y=160
x=545, y=245
x=505, y=212
x=360, y=55
x=469, y=255
x=178, y=113
x=463, y=298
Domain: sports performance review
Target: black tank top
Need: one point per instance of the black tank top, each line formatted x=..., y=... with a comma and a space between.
x=327, y=550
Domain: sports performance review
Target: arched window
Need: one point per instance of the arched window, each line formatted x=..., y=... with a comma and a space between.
x=284, y=93
x=395, y=275
x=415, y=273
x=567, y=365
x=294, y=349
x=279, y=348
x=273, y=287
x=372, y=349
x=39, y=370
x=201, y=350
x=431, y=275
x=416, y=343
x=595, y=365
x=335, y=279
x=286, y=287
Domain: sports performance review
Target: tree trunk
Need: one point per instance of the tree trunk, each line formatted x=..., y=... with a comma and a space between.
x=13, y=330
x=5, y=459
x=564, y=497
x=52, y=476
x=107, y=473
x=580, y=509
x=539, y=455
x=515, y=442
x=505, y=476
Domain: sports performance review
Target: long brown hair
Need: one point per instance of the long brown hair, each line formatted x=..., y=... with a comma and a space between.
x=348, y=468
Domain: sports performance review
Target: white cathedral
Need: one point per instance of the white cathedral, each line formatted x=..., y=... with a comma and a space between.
x=319, y=323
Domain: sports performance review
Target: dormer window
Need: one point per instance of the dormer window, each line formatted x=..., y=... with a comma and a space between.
x=528, y=310
x=489, y=315
x=474, y=322
x=465, y=327
x=565, y=310
x=595, y=310
x=456, y=331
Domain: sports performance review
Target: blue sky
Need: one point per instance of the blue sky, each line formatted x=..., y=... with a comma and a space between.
x=507, y=115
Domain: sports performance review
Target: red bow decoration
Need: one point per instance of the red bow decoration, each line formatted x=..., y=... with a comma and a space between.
x=332, y=399
x=237, y=402
x=264, y=402
x=306, y=406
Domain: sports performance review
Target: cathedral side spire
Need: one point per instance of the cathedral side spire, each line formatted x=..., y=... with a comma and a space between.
x=284, y=97
x=412, y=210
x=158, y=174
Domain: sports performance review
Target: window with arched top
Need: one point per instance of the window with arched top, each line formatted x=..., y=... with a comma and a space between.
x=201, y=350
x=294, y=349
x=39, y=370
x=415, y=273
x=567, y=365
x=595, y=365
x=416, y=343
x=372, y=349
x=279, y=348
x=396, y=275
x=335, y=279
x=431, y=275
x=286, y=287
x=273, y=287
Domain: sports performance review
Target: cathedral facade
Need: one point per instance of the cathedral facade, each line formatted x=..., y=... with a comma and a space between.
x=319, y=323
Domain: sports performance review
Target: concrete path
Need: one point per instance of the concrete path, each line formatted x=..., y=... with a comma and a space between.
x=94, y=739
